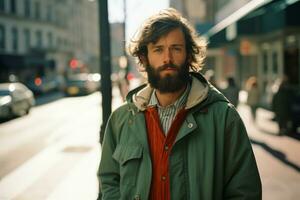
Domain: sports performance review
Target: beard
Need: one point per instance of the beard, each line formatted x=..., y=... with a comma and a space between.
x=170, y=82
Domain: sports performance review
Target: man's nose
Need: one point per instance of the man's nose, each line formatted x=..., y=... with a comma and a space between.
x=168, y=58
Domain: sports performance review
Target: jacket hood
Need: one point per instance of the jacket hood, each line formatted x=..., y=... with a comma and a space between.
x=202, y=93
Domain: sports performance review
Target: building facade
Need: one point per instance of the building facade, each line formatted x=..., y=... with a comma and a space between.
x=199, y=12
x=40, y=37
x=260, y=38
x=249, y=38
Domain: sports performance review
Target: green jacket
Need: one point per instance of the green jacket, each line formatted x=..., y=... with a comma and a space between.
x=211, y=159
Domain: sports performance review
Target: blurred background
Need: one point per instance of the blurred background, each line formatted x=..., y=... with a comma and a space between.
x=64, y=68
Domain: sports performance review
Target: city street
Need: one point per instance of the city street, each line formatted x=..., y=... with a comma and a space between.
x=53, y=153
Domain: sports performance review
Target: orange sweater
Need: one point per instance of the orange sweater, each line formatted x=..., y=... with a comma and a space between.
x=160, y=148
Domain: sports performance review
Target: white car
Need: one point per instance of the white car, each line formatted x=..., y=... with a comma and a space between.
x=15, y=100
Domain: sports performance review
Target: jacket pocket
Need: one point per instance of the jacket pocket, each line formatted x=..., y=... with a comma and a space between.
x=129, y=159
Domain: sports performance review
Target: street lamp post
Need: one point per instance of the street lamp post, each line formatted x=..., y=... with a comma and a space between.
x=105, y=65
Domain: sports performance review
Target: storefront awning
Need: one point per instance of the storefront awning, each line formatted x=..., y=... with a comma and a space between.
x=256, y=17
x=243, y=11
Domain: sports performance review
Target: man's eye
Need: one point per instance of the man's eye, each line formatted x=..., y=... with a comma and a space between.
x=177, y=49
x=157, y=50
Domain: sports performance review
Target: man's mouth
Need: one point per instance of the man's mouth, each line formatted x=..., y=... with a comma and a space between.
x=170, y=69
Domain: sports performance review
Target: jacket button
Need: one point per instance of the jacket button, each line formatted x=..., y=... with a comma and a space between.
x=166, y=148
x=137, y=197
x=190, y=125
x=163, y=178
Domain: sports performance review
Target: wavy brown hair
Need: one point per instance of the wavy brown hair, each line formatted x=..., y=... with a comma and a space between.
x=161, y=24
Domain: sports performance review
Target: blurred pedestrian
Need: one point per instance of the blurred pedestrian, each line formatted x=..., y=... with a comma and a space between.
x=281, y=104
x=231, y=92
x=176, y=137
x=253, y=95
x=123, y=84
x=210, y=77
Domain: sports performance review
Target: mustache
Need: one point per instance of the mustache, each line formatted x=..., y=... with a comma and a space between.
x=166, y=66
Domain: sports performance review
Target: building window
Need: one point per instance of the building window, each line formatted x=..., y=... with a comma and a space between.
x=265, y=62
x=2, y=37
x=65, y=42
x=13, y=6
x=58, y=42
x=39, y=41
x=15, y=38
x=37, y=12
x=50, y=39
x=275, y=63
x=49, y=13
x=27, y=39
x=27, y=8
x=2, y=5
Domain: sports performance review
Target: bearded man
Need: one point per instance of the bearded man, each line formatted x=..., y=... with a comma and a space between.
x=176, y=137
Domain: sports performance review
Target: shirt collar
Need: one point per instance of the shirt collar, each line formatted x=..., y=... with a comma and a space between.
x=179, y=103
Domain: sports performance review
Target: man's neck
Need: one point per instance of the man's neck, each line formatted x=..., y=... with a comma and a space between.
x=166, y=99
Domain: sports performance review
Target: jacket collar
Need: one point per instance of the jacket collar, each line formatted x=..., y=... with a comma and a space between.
x=198, y=93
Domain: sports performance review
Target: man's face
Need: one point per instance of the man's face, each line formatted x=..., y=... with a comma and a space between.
x=167, y=62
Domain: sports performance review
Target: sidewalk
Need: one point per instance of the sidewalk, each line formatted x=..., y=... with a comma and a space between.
x=277, y=157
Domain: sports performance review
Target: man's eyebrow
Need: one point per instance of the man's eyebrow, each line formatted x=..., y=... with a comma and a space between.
x=177, y=45
x=156, y=46
x=161, y=46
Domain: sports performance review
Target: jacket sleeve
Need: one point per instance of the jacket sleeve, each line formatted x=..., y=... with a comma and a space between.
x=242, y=180
x=108, y=172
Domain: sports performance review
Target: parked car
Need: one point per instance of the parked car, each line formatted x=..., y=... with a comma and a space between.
x=60, y=82
x=81, y=84
x=15, y=100
x=41, y=85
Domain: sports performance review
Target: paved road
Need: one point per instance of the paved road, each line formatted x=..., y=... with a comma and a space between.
x=53, y=152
